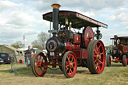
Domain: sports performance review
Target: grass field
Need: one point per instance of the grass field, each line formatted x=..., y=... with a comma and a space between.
x=114, y=75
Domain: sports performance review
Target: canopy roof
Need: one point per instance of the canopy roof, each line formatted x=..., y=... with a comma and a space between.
x=122, y=37
x=78, y=20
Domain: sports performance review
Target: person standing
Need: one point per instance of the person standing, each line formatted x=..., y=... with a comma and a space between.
x=108, y=51
x=28, y=54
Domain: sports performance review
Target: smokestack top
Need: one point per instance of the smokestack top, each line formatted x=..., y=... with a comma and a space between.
x=57, y=6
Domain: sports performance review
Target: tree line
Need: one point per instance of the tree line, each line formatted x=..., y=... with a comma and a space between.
x=39, y=43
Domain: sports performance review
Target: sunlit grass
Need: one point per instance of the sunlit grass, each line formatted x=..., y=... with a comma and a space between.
x=113, y=75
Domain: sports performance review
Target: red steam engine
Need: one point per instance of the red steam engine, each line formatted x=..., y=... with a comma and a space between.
x=68, y=49
x=119, y=52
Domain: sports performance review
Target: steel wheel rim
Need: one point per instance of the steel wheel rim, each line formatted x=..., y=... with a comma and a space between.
x=99, y=57
x=70, y=65
x=40, y=65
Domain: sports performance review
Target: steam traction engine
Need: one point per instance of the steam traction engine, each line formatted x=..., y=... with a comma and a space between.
x=119, y=51
x=68, y=49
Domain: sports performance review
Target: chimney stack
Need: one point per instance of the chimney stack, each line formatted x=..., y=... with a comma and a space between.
x=55, y=16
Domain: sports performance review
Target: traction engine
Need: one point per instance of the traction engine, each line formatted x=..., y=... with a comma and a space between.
x=69, y=49
x=119, y=52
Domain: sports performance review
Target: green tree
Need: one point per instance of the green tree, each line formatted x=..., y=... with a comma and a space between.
x=110, y=47
x=40, y=42
x=17, y=44
x=36, y=44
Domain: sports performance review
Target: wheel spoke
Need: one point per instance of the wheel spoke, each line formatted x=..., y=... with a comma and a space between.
x=95, y=59
x=101, y=53
x=95, y=51
x=68, y=58
x=67, y=63
x=100, y=62
x=72, y=60
x=67, y=69
x=38, y=58
x=37, y=69
x=96, y=47
x=98, y=68
x=40, y=70
x=67, y=66
x=95, y=55
x=99, y=47
x=70, y=71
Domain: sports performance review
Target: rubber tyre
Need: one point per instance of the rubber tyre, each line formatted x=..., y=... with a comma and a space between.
x=124, y=60
x=69, y=64
x=39, y=64
x=96, y=56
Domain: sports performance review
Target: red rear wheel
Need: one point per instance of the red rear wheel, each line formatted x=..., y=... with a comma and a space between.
x=39, y=64
x=69, y=64
x=96, y=56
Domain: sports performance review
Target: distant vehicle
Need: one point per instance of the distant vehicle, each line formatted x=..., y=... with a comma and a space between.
x=5, y=58
x=119, y=51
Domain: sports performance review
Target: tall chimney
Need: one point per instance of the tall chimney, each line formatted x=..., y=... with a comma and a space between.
x=55, y=15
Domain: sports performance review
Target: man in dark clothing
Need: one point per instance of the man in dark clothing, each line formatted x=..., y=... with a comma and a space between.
x=28, y=53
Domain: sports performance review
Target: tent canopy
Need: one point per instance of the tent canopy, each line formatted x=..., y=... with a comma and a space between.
x=18, y=54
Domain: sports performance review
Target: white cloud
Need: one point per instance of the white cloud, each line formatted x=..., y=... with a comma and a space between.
x=120, y=14
x=18, y=18
x=126, y=28
x=85, y=5
x=4, y=5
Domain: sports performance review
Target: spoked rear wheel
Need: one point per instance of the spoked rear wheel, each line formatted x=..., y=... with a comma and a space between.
x=69, y=64
x=96, y=57
x=39, y=64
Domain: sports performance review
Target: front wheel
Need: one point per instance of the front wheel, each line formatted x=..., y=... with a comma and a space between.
x=96, y=56
x=124, y=60
x=39, y=64
x=69, y=64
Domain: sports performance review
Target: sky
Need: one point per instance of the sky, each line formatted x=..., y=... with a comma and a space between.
x=20, y=18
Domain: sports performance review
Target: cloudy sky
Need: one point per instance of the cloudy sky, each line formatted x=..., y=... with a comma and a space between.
x=24, y=17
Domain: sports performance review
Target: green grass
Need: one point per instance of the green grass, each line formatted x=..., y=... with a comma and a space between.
x=114, y=75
